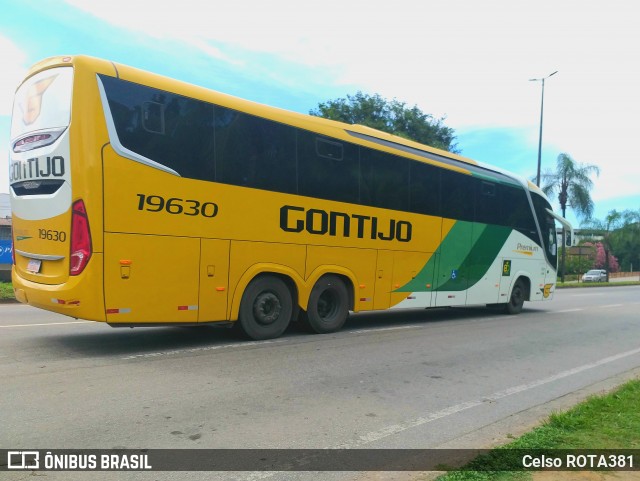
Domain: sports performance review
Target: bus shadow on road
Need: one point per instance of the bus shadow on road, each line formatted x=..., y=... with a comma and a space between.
x=104, y=341
x=437, y=315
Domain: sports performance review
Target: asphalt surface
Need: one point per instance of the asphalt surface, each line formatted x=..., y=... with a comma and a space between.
x=412, y=379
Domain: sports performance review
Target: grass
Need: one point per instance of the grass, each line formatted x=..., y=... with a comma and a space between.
x=6, y=291
x=611, y=421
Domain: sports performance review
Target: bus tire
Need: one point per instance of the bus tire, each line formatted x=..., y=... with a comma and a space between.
x=266, y=308
x=328, y=306
x=516, y=301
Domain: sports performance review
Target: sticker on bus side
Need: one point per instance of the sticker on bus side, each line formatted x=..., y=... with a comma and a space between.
x=506, y=268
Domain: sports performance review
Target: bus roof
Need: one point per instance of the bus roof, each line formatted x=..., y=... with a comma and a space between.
x=348, y=132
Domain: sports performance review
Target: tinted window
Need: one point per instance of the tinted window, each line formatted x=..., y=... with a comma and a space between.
x=487, y=202
x=548, y=228
x=424, y=189
x=5, y=233
x=458, y=195
x=384, y=180
x=327, y=169
x=516, y=211
x=254, y=152
x=329, y=149
x=170, y=129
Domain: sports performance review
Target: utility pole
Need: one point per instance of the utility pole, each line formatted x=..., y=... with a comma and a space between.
x=541, y=117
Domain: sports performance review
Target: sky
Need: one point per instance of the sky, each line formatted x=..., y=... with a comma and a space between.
x=468, y=61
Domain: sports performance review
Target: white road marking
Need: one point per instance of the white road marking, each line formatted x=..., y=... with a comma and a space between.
x=201, y=349
x=457, y=408
x=49, y=324
x=398, y=428
x=381, y=329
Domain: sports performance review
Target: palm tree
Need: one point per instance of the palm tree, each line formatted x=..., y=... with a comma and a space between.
x=572, y=183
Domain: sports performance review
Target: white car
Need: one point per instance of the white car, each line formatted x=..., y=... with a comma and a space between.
x=595, y=275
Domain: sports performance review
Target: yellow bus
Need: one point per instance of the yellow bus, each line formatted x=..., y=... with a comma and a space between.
x=141, y=200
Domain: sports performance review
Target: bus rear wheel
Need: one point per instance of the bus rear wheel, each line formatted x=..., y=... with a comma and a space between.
x=266, y=308
x=516, y=301
x=328, y=306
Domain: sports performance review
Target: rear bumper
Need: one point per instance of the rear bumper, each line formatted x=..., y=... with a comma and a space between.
x=80, y=296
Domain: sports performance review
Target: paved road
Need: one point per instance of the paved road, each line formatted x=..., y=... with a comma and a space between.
x=414, y=379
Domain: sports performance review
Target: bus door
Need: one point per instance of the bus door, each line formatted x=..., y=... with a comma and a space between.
x=484, y=266
x=412, y=280
x=452, y=271
x=384, y=273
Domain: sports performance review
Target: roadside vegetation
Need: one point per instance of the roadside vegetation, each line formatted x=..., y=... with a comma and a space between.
x=6, y=291
x=610, y=421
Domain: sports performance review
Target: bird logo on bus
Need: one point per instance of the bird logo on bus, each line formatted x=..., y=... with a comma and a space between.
x=33, y=102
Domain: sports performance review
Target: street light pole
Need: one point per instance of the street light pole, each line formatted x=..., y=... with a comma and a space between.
x=541, y=115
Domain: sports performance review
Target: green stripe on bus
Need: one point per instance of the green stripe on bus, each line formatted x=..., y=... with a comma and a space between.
x=462, y=259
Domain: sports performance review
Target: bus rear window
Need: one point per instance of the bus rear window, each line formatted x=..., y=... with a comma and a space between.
x=41, y=109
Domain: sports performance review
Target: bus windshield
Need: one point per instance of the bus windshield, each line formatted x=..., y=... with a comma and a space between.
x=547, y=227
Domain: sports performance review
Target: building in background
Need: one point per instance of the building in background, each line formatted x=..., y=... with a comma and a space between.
x=5, y=206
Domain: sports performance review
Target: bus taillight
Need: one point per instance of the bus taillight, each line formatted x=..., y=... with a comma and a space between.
x=80, y=239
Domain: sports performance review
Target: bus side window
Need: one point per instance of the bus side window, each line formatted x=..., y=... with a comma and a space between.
x=329, y=149
x=457, y=195
x=516, y=211
x=170, y=129
x=254, y=152
x=384, y=180
x=327, y=169
x=488, y=203
x=153, y=117
x=424, y=189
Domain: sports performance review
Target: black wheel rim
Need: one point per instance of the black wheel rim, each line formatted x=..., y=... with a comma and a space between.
x=328, y=304
x=267, y=308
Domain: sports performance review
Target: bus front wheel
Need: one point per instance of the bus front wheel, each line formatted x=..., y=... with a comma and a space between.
x=328, y=306
x=516, y=301
x=266, y=308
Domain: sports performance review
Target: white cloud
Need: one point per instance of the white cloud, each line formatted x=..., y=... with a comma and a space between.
x=470, y=61
x=14, y=68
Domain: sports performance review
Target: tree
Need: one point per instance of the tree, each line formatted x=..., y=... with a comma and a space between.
x=611, y=222
x=605, y=260
x=620, y=235
x=625, y=242
x=572, y=183
x=391, y=116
